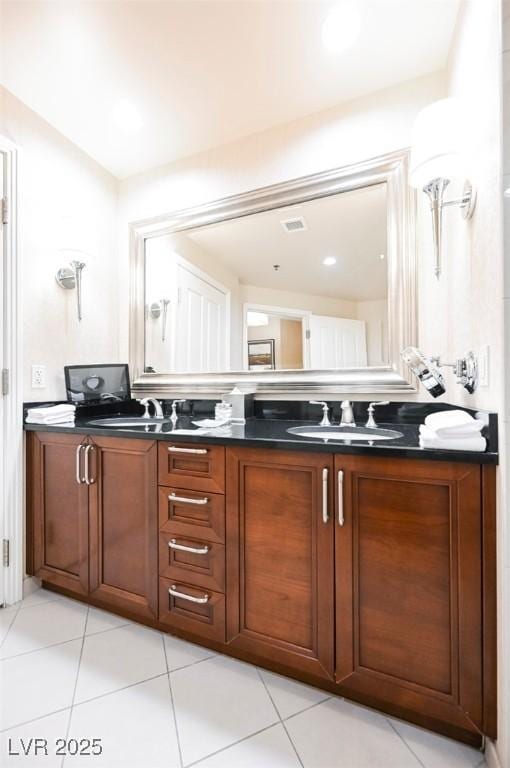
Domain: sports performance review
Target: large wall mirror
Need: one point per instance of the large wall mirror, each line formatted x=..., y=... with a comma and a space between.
x=307, y=285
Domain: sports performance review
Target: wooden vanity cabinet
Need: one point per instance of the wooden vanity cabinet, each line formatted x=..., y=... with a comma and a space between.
x=57, y=512
x=372, y=577
x=408, y=570
x=402, y=557
x=192, y=581
x=280, y=599
x=96, y=540
x=123, y=514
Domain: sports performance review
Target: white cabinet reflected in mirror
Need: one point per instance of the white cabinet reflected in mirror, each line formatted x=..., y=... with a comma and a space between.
x=298, y=287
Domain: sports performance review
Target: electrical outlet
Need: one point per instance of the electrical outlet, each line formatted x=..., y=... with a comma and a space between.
x=483, y=366
x=38, y=377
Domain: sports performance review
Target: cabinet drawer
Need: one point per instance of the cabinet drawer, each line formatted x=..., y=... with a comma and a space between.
x=205, y=618
x=194, y=466
x=192, y=513
x=196, y=562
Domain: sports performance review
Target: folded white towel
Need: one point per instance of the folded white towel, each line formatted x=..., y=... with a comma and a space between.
x=454, y=424
x=429, y=439
x=53, y=414
x=51, y=410
x=51, y=420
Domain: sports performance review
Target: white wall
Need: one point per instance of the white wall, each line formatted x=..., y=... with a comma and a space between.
x=66, y=200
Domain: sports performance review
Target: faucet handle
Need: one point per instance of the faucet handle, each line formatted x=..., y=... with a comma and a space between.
x=145, y=403
x=325, y=412
x=370, y=410
x=173, y=416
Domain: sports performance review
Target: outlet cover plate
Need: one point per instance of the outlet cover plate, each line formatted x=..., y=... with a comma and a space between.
x=38, y=377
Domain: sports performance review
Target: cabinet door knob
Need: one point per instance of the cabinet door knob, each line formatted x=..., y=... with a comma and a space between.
x=175, y=593
x=183, y=548
x=325, y=515
x=341, y=518
x=186, y=500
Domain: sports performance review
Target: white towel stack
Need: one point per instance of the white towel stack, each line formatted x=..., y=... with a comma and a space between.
x=452, y=431
x=52, y=415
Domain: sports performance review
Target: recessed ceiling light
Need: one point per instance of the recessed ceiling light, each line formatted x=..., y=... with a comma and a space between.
x=127, y=117
x=382, y=256
x=329, y=261
x=341, y=27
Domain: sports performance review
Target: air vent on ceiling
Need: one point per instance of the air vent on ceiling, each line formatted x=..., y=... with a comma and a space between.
x=294, y=225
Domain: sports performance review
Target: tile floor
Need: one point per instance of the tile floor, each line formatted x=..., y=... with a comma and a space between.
x=72, y=672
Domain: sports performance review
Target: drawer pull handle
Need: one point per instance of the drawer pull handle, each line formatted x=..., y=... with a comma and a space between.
x=182, y=548
x=89, y=480
x=185, y=500
x=325, y=515
x=79, y=479
x=175, y=593
x=341, y=518
x=175, y=449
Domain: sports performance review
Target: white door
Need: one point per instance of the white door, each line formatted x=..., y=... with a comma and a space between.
x=337, y=342
x=3, y=184
x=201, y=324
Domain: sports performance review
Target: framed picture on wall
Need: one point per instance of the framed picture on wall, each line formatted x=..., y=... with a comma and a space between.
x=261, y=355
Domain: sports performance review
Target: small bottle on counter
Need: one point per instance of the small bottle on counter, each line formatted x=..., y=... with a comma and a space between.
x=223, y=412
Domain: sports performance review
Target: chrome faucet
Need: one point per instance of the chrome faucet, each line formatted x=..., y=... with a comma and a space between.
x=158, y=410
x=173, y=416
x=325, y=412
x=347, y=414
x=371, y=423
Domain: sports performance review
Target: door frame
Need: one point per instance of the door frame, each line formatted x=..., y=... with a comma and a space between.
x=11, y=460
x=283, y=312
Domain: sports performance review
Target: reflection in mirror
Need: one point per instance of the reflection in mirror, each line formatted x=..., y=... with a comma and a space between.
x=297, y=287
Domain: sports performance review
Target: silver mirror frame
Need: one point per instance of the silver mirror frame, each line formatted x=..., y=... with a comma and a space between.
x=402, y=274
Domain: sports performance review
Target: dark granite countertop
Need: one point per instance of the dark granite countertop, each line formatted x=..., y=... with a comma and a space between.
x=268, y=432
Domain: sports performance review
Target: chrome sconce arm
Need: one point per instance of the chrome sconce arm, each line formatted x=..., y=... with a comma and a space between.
x=465, y=369
x=435, y=191
x=70, y=278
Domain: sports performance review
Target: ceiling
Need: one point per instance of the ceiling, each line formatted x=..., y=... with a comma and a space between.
x=201, y=73
x=350, y=227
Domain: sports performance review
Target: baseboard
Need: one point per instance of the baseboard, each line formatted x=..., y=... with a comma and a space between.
x=30, y=585
x=491, y=755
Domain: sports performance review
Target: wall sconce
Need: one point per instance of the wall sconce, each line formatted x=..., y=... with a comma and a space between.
x=436, y=159
x=155, y=310
x=69, y=278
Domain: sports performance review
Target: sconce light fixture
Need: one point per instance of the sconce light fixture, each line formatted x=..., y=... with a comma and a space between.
x=437, y=158
x=69, y=278
x=155, y=310
x=427, y=370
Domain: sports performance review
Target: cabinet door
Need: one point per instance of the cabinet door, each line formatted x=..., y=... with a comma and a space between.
x=57, y=512
x=124, y=525
x=280, y=581
x=408, y=572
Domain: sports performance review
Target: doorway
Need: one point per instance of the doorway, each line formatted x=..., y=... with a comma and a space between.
x=11, y=408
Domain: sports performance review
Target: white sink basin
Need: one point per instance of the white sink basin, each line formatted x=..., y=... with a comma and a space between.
x=345, y=433
x=126, y=421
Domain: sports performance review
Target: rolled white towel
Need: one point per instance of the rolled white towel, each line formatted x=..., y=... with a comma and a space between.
x=430, y=439
x=454, y=424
